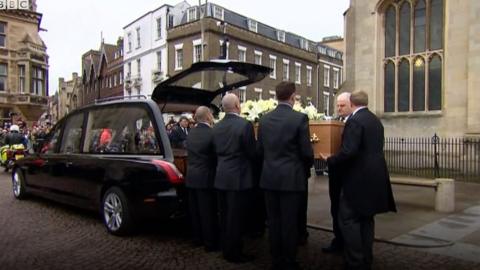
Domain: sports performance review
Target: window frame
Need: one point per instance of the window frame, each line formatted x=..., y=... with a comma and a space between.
x=244, y=51
x=326, y=75
x=4, y=77
x=258, y=54
x=286, y=76
x=252, y=25
x=4, y=34
x=309, y=76
x=298, y=73
x=139, y=38
x=197, y=55
x=189, y=16
x=273, y=74
x=159, y=27
x=178, y=48
x=216, y=10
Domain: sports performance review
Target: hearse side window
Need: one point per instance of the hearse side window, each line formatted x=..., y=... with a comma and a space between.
x=72, y=134
x=121, y=130
x=53, y=138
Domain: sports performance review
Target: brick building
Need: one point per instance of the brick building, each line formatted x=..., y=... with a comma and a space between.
x=102, y=72
x=292, y=57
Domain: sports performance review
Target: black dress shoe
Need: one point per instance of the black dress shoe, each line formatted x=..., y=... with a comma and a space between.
x=334, y=249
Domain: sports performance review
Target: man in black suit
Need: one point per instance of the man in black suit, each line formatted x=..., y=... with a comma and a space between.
x=366, y=189
x=234, y=142
x=344, y=109
x=202, y=162
x=284, y=145
x=179, y=134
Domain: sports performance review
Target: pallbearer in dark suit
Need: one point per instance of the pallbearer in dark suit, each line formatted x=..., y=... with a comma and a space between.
x=366, y=189
x=344, y=109
x=235, y=143
x=200, y=178
x=284, y=145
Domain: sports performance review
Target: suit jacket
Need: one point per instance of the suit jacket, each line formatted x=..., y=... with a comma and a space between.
x=284, y=145
x=234, y=141
x=202, y=160
x=365, y=178
x=178, y=137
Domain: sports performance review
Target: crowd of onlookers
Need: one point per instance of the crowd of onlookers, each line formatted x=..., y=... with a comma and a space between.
x=33, y=136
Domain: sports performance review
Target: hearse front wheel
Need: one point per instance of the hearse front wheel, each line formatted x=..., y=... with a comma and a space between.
x=18, y=184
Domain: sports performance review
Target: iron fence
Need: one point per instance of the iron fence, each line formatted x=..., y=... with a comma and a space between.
x=457, y=158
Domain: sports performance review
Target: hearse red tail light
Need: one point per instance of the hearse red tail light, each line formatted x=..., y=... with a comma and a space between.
x=173, y=174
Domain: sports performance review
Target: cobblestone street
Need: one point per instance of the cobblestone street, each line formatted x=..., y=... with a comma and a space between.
x=39, y=234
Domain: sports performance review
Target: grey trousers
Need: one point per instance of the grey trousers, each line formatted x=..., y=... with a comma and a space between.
x=358, y=234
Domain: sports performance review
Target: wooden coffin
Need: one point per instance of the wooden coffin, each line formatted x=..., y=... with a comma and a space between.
x=326, y=136
x=180, y=160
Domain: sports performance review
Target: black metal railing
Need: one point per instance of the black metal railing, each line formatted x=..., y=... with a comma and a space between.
x=457, y=158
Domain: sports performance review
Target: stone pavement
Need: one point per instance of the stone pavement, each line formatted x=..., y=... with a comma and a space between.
x=39, y=234
x=417, y=224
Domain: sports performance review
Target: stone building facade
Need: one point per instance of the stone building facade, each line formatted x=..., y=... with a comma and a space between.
x=68, y=96
x=292, y=58
x=23, y=66
x=419, y=61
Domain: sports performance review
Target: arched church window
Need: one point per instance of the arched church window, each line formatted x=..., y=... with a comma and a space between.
x=413, y=67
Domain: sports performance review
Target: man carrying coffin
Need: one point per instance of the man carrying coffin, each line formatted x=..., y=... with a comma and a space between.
x=202, y=162
x=235, y=146
x=284, y=145
x=365, y=188
x=344, y=109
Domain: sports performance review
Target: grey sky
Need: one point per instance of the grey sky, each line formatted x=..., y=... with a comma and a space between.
x=74, y=27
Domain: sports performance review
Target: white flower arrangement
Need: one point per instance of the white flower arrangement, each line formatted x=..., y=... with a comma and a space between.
x=253, y=110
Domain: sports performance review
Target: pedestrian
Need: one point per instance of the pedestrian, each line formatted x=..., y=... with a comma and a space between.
x=344, y=109
x=287, y=154
x=365, y=189
x=200, y=178
x=234, y=141
x=179, y=133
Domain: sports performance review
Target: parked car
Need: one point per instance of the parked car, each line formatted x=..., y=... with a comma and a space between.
x=115, y=156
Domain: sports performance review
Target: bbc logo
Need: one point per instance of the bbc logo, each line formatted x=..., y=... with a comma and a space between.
x=14, y=4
